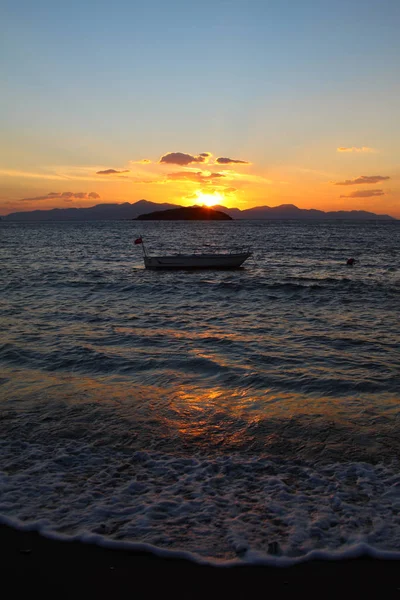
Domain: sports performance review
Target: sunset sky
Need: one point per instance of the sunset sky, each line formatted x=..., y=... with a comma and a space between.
x=233, y=102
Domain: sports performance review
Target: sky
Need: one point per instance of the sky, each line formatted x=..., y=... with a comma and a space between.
x=230, y=102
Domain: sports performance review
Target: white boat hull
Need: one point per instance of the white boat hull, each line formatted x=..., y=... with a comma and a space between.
x=196, y=261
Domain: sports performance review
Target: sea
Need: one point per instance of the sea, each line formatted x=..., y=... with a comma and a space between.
x=228, y=417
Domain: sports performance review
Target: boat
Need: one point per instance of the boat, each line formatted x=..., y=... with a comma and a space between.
x=229, y=259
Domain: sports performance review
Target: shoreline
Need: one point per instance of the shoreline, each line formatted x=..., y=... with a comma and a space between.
x=34, y=562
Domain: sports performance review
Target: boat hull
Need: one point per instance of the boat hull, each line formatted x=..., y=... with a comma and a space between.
x=196, y=261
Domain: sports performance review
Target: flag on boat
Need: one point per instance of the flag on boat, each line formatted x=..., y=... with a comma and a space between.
x=139, y=240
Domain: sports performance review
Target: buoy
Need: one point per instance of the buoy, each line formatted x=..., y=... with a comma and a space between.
x=351, y=261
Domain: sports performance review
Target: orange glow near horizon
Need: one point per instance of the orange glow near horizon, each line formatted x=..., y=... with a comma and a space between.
x=207, y=199
x=372, y=188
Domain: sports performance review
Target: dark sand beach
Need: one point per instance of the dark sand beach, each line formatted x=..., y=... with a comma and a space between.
x=31, y=563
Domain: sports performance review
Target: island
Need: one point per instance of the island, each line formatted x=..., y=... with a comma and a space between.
x=186, y=213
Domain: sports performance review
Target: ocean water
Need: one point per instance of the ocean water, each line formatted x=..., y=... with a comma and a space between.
x=226, y=416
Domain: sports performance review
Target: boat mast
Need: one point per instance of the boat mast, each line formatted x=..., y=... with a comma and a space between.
x=143, y=247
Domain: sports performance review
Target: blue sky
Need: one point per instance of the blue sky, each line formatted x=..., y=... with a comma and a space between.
x=277, y=83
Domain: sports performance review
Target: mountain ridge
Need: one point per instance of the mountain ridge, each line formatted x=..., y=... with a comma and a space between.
x=127, y=210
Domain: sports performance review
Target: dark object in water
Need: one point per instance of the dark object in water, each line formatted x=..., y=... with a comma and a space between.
x=218, y=260
x=274, y=548
x=185, y=213
x=351, y=261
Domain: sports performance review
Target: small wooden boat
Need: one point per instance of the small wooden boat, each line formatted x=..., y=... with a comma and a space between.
x=231, y=259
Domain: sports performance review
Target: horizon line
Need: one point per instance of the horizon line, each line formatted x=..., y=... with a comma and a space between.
x=213, y=207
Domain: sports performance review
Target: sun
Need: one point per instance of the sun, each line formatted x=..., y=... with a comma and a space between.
x=208, y=199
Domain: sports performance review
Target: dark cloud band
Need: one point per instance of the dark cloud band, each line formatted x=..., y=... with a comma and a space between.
x=230, y=161
x=111, y=172
x=66, y=196
x=182, y=159
x=364, y=194
x=363, y=179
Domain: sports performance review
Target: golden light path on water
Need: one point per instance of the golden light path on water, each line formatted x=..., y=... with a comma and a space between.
x=208, y=420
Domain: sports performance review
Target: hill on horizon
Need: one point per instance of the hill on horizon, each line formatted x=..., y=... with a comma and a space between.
x=186, y=213
x=127, y=210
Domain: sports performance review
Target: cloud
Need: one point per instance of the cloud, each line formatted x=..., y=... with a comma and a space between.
x=143, y=161
x=363, y=179
x=354, y=149
x=66, y=196
x=229, y=161
x=111, y=172
x=364, y=194
x=179, y=158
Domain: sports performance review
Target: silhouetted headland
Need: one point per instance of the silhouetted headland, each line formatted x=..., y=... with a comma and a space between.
x=186, y=213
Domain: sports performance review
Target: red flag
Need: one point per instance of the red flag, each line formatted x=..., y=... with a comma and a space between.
x=139, y=241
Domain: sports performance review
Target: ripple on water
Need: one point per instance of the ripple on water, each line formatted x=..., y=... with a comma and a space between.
x=230, y=415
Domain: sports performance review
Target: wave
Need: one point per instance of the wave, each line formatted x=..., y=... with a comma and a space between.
x=228, y=510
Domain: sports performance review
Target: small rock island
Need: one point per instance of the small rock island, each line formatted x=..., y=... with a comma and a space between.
x=185, y=213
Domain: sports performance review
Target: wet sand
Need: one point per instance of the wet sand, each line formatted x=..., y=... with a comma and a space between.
x=33, y=564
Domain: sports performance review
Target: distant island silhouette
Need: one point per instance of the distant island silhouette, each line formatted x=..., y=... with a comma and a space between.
x=185, y=213
x=127, y=210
